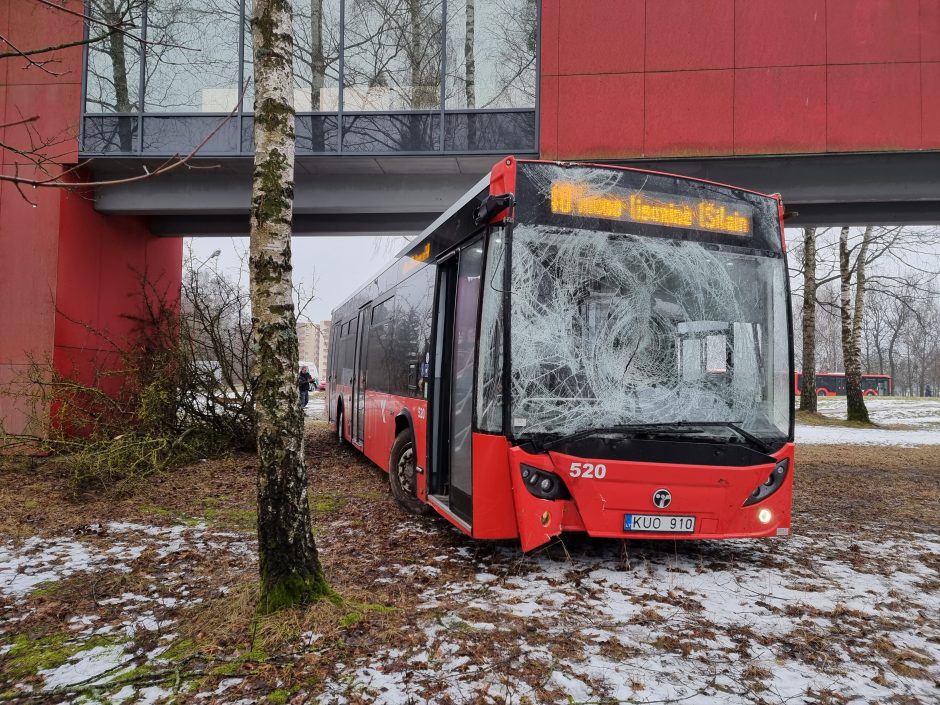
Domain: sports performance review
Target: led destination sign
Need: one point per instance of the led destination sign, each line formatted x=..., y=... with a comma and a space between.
x=572, y=198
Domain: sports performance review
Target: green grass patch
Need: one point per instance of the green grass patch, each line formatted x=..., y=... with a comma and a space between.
x=325, y=503
x=156, y=509
x=47, y=588
x=277, y=697
x=241, y=519
x=29, y=656
x=360, y=609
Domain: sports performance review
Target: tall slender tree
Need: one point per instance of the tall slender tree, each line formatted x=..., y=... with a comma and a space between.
x=291, y=573
x=808, y=380
x=852, y=314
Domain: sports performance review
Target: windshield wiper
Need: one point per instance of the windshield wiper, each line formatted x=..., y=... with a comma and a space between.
x=734, y=426
x=675, y=427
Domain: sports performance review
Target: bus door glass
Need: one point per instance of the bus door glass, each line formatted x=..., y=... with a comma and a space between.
x=466, y=309
x=359, y=383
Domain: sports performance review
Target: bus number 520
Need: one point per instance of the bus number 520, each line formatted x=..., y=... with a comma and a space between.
x=588, y=470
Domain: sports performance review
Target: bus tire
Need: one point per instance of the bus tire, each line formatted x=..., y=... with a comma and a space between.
x=402, y=475
x=339, y=427
x=822, y=393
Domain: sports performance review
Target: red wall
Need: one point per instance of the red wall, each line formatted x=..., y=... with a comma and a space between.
x=667, y=78
x=58, y=253
x=101, y=263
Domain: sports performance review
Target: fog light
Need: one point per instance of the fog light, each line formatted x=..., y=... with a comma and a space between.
x=546, y=518
x=764, y=516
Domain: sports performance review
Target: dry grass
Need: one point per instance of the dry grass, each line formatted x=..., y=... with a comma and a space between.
x=811, y=418
x=854, y=485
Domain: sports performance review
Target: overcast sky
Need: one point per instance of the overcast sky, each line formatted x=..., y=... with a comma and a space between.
x=338, y=265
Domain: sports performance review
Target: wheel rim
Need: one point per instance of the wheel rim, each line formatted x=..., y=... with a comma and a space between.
x=406, y=470
x=339, y=426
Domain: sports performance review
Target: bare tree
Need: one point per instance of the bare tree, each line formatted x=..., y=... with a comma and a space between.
x=808, y=380
x=852, y=314
x=290, y=568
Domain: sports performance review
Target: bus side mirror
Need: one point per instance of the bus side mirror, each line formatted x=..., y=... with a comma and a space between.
x=491, y=206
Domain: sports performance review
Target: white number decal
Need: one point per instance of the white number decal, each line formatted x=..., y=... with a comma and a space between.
x=588, y=471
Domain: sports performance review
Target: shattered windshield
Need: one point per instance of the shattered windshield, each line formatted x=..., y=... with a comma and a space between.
x=615, y=329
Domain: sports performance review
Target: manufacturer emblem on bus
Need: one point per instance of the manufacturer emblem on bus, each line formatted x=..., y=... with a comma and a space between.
x=662, y=498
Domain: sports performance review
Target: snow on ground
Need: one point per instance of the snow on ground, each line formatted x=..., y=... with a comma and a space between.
x=730, y=622
x=828, y=435
x=888, y=411
x=920, y=417
x=316, y=407
x=100, y=648
x=735, y=622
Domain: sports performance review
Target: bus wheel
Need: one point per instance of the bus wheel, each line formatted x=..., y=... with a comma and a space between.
x=339, y=427
x=402, y=474
x=822, y=393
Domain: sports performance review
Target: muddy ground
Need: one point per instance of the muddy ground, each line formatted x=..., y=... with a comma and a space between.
x=149, y=598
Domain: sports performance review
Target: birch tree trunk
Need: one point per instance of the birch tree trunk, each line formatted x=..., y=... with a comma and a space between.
x=808, y=380
x=289, y=565
x=852, y=323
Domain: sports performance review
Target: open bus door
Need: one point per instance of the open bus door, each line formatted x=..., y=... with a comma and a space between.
x=456, y=310
x=359, y=380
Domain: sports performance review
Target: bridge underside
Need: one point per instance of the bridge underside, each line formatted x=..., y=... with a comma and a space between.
x=401, y=195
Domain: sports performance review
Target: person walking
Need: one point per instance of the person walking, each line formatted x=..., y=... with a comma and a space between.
x=304, y=380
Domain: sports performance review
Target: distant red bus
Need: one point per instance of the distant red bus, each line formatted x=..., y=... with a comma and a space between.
x=831, y=384
x=579, y=348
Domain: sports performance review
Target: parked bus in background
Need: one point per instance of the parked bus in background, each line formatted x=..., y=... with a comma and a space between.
x=579, y=348
x=831, y=384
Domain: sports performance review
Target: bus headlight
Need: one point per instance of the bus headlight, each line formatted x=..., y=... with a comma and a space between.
x=773, y=483
x=542, y=484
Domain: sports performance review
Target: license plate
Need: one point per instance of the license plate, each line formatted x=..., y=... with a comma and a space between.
x=662, y=523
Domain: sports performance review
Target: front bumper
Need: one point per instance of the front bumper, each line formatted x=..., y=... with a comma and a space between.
x=714, y=495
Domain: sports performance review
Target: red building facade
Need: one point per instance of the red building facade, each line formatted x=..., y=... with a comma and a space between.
x=64, y=269
x=626, y=79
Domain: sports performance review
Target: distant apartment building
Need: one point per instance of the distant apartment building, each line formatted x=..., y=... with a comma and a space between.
x=314, y=341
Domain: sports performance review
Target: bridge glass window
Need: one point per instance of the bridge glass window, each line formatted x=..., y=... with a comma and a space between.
x=192, y=56
x=491, y=50
x=370, y=76
x=113, y=64
x=392, y=55
x=316, y=55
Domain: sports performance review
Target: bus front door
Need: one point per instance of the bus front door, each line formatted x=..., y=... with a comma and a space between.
x=359, y=379
x=457, y=308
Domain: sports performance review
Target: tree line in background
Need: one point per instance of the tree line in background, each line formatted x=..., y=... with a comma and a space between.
x=866, y=301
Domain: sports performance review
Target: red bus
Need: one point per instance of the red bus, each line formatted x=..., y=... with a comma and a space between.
x=579, y=348
x=830, y=384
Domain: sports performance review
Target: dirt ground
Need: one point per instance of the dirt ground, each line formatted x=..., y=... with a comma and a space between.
x=149, y=598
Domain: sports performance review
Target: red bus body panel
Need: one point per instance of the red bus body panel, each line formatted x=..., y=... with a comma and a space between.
x=494, y=511
x=714, y=495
